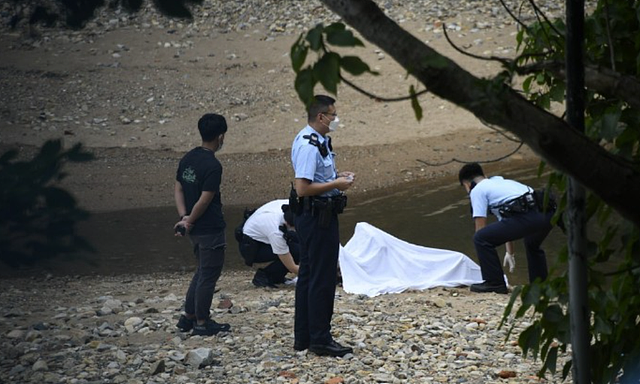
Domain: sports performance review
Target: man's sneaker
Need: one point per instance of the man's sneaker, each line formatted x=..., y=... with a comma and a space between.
x=185, y=324
x=489, y=287
x=260, y=279
x=209, y=328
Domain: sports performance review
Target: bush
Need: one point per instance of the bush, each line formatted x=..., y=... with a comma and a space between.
x=37, y=217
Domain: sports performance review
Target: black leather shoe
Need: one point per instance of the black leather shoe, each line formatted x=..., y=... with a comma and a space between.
x=331, y=349
x=260, y=279
x=300, y=346
x=489, y=287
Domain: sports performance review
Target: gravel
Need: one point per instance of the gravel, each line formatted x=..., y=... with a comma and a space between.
x=121, y=329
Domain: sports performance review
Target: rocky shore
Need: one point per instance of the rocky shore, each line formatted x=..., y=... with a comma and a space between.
x=131, y=87
x=82, y=330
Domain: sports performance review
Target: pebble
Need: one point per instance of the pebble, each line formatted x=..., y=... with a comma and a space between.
x=396, y=338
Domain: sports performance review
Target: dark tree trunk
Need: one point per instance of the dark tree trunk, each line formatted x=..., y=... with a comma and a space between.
x=612, y=178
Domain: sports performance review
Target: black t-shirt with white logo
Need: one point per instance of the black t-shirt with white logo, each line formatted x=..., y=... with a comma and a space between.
x=199, y=170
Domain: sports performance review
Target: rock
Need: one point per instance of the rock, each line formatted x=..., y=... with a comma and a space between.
x=225, y=304
x=439, y=302
x=132, y=323
x=17, y=334
x=33, y=335
x=157, y=367
x=506, y=374
x=199, y=358
x=40, y=366
x=121, y=356
x=104, y=311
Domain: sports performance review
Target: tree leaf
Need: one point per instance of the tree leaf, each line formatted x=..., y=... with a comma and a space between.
x=298, y=54
x=354, y=65
x=304, y=84
x=526, y=84
x=553, y=314
x=550, y=361
x=327, y=70
x=314, y=37
x=610, y=128
x=58, y=198
x=8, y=156
x=530, y=339
x=78, y=154
x=341, y=37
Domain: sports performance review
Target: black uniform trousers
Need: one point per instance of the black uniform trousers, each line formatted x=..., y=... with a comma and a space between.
x=275, y=271
x=317, y=278
x=532, y=226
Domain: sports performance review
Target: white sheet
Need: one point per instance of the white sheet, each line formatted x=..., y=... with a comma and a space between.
x=373, y=262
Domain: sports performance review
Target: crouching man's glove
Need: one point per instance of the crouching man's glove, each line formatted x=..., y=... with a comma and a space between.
x=510, y=260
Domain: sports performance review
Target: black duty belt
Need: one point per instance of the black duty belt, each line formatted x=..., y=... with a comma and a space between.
x=521, y=204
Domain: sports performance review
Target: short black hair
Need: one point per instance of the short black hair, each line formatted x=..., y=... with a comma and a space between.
x=470, y=171
x=211, y=125
x=289, y=216
x=321, y=103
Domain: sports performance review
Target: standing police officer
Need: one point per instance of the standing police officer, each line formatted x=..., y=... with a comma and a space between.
x=319, y=200
x=520, y=215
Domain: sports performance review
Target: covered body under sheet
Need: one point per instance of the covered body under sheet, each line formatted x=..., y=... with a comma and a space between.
x=373, y=262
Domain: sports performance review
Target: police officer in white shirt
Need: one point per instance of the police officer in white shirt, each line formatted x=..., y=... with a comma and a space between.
x=520, y=215
x=319, y=199
x=269, y=237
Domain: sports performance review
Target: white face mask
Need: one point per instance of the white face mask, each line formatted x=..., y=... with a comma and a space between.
x=333, y=125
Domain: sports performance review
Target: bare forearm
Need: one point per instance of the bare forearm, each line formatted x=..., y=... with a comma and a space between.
x=197, y=211
x=289, y=263
x=305, y=187
x=480, y=222
x=178, y=195
x=200, y=206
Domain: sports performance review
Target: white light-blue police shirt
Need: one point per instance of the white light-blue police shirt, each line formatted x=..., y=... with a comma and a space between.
x=309, y=164
x=490, y=193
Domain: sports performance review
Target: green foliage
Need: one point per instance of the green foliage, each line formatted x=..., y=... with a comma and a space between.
x=326, y=70
x=37, y=217
x=612, y=40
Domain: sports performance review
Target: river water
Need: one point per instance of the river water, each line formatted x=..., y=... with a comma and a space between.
x=430, y=213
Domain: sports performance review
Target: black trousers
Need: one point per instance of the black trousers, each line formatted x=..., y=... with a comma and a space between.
x=209, y=253
x=531, y=226
x=317, y=277
x=275, y=271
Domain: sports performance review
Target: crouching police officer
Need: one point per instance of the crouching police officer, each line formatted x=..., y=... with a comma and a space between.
x=317, y=199
x=521, y=215
x=268, y=236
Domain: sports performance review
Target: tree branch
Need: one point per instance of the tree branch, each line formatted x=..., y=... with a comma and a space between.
x=514, y=17
x=502, y=60
x=539, y=12
x=454, y=160
x=564, y=148
x=378, y=98
x=601, y=80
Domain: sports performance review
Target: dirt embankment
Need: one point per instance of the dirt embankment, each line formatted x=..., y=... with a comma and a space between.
x=132, y=87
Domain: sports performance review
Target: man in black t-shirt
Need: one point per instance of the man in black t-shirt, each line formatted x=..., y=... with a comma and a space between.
x=197, y=196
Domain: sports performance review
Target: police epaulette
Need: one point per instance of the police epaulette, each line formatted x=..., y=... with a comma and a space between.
x=313, y=140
